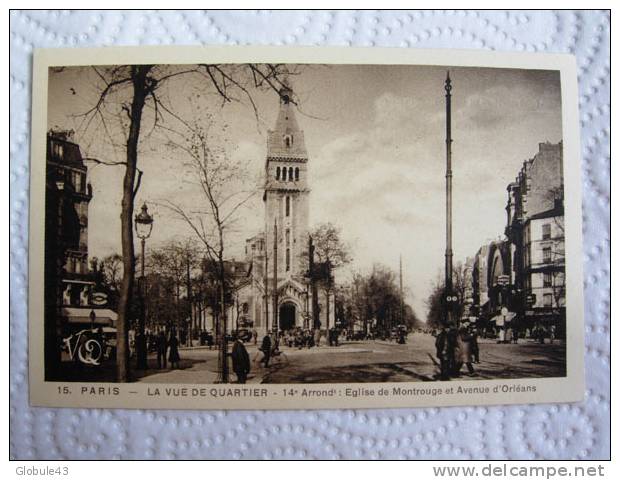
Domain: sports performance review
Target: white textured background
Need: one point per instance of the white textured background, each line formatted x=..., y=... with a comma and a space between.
x=580, y=431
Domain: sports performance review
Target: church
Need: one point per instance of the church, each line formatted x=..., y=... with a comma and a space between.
x=277, y=293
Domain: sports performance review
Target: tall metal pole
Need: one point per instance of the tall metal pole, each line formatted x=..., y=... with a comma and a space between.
x=448, y=277
x=400, y=268
x=275, y=278
x=315, y=294
x=266, y=282
x=189, y=301
x=142, y=357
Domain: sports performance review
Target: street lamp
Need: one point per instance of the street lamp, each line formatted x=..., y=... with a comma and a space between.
x=144, y=226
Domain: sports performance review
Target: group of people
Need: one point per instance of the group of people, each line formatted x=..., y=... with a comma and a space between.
x=300, y=338
x=167, y=347
x=240, y=357
x=455, y=347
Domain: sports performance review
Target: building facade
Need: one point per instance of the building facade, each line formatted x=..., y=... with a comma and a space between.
x=278, y=292
x=69, y=281
x=535, y=228
x=521, y=276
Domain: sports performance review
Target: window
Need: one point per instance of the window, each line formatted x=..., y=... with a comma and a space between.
x=278, y=173
x=546, y=255
x=288, y=206
x=546, y=231
x=290, y=174
x=58, y=150
x=288, y=259
x=284, y=174
x=547, y=300
x=547, y=280
x=288, y=237
x=297, y=174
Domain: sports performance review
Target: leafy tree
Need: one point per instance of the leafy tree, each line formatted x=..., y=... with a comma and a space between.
x=377, y=297
x=332, y=253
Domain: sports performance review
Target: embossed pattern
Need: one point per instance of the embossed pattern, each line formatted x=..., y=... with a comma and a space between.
x=575, y=431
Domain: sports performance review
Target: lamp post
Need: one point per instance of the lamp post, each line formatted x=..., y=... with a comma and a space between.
x=144, y=226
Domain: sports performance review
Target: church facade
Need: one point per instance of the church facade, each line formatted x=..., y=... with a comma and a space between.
x=279, y=292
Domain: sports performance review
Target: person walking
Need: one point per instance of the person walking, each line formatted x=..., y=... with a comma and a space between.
x=255, y=336
x=551, y=334
x=266, y=349
x=173, y=345
x=475, y=350
x=317, y=337
x=451, y=341
x=162, y=347
x=240, y=360
x=441, y=349
x=463, y=351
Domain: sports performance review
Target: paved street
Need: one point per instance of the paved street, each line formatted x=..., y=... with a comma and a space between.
x=351, y=362
x=371, y=361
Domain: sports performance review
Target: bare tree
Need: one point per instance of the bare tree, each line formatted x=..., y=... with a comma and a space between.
x=124, y=92
x=224, y=190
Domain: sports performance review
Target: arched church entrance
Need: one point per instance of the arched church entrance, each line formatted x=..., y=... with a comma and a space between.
x=287, y=316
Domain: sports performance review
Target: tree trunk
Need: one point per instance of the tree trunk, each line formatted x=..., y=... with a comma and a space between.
x=223, y=342
x=327, y=307
x=190, y=327
x=139, y=74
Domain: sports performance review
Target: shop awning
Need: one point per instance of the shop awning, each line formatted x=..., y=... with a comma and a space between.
x=103, y=316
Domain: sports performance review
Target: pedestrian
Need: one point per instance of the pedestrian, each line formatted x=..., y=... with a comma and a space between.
x=451, y=339
x=515, y=335
x=255, y=336
x=162, y=347
x=441, y=348
x=541, y=334
x=463, y=351
x=317, y=337
x=266, y=349
x=173, y=345
x=475, y=350
x=551, y=333
x=240, y=360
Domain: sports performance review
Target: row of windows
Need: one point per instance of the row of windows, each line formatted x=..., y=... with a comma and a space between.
x=77, y=179
x=293, y=174
x=76, y=265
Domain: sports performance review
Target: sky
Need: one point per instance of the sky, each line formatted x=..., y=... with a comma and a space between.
x=375, y=137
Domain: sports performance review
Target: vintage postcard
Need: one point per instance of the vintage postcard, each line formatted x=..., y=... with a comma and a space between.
x=278, y=228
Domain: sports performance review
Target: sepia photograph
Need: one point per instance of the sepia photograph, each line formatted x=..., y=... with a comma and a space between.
x=304, y=224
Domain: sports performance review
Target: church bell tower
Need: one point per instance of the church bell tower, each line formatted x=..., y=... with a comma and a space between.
x=286, y=189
